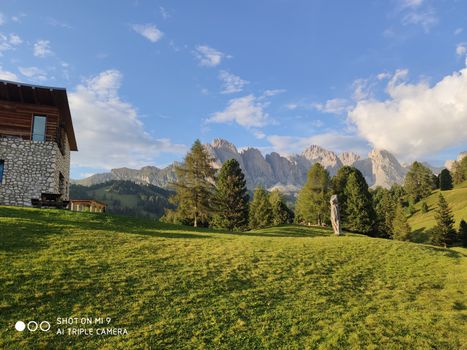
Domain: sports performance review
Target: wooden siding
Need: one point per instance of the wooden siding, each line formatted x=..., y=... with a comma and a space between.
x=16, y=119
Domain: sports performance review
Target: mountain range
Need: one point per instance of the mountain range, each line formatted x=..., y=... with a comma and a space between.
x=287, y=173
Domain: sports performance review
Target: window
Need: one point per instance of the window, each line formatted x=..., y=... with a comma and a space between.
x=38, y=128
x=2, y=167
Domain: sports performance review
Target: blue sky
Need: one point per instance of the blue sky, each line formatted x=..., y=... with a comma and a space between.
x=146, y=78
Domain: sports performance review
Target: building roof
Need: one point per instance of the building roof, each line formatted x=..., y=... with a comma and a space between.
x=41, y=95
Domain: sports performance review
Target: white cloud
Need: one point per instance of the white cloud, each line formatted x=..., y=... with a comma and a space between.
x=417, y=119
x=42, y=48
x=427, y=19
x=246, y=111
x=458, y=31
x=15, y=39
x=149, y=31
x=109, y=131
x=330, y=140
x=259, y=134
x=334, y=106
x=461, y=49
x=208, y=56
x=57, y=23
x=231, y=83
x=362, y=88
x=411, y=3
x=274, y=92
x=6, y=75
x=165, y=14
x=9, y=42
x=2, y=19
x=33, y=73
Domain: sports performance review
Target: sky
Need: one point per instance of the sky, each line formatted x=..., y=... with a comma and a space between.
x=147, y=78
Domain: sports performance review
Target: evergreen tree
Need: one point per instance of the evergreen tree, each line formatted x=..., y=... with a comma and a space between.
x=457, y=173
x=384, y=205
x=435, y=181
x=463, y=166
x=445, y=180
x=418, y=182
x=338, y=185
x=359, y=212
x=231, y=198
x=424, y=208
x=400, y=227
x=462, y=236
x=260, y=214
x=194, y=186
x=444, y=233
x=313, y=199
x=281, y=214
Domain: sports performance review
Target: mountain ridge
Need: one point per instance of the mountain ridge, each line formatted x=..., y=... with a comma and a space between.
x=273, y=170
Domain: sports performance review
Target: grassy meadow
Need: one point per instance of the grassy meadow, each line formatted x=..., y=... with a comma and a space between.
x=421, y=223
x=287, y=287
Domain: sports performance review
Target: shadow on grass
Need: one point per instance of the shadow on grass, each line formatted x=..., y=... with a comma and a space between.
x=420, y=236
x=287, y=231
x=26, y=228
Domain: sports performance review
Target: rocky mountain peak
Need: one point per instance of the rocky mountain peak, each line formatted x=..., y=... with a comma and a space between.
x=348, y=158
x=386, y=168
x=224, y=145
x=274, y=169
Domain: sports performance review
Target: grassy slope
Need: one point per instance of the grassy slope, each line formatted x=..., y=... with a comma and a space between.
x=289, y=287
x=457, y=199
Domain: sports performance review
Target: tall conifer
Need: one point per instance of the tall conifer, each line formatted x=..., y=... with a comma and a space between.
x=444, y=233
x=313, y=199
x=195, y=186
x=260, y=213
x=231, y=198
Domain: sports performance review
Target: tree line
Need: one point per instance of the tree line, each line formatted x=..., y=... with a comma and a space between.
x=221, y=200
x=204, y=198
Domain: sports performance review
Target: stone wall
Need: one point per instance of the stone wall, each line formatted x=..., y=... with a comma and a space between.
x=32, y=168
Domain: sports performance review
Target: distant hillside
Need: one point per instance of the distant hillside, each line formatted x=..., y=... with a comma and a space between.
x=422, y=223
x=126, y=197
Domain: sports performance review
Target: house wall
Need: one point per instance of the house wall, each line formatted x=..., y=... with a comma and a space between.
x=32, y=168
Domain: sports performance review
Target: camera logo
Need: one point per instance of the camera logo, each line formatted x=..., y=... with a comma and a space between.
x=32, y=326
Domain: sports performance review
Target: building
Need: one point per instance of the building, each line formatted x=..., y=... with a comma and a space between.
x=36, y=137
x=89, y=205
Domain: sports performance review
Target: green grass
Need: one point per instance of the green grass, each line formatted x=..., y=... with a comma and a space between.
x=421, y=223
x=287, y=287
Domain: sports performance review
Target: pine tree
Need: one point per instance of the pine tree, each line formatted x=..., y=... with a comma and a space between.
x=445, y=180
x=463, y=166
x=462, y=236
x=418, y=182
x=384, y=205
x=400, y=227
x=194, y=186
x=424, y=208
x=281, y=214
x=313, y=199
x=359, y=212
x=444, y=233
x=260, y=213
x=231, y=198
x=457, y=173
x=338, y=185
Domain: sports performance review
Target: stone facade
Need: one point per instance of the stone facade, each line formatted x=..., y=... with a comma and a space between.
x=32, y=168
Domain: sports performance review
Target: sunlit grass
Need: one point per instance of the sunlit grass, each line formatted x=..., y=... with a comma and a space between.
x=422, y=223
x=287, y=287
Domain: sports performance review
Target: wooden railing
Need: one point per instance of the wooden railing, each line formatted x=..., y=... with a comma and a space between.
x=23, y=135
